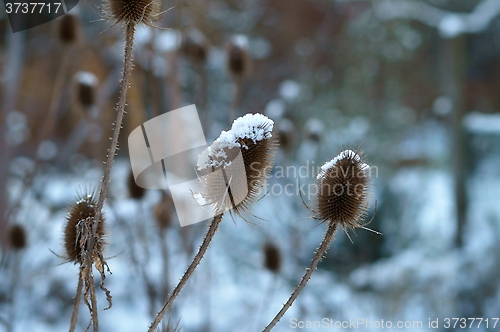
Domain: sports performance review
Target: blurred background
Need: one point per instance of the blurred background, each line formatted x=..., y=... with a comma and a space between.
x=416, y=84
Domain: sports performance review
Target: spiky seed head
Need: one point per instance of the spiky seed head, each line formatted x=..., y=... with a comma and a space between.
x=239, y=61
x=68, y=29
x=17, y=237
x=134, y=190
x=163, y=211
x=343, y=190
x=195, y=46
x=133, y=11
x=272, y=257
x=79, y=227
x=286, y=134
x=86, y=85
x=313, y=129
x=250, y=146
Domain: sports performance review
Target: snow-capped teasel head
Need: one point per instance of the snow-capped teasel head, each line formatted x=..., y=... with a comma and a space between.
x=240, y=160
x=344, y=154
x=86, y=85
x=195, y=45
x=240, y=41
x=343, y=190
x=254, y=127
x=239, y=61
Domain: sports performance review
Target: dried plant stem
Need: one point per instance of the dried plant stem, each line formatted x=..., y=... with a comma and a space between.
x=93, y=299
x=325, y=244
x=238, y=82
x=86, y=267
x=166, y=268
x=214, y=225
x=127, y=69
x=74, y=317
x=203, y=96
x=268, y=297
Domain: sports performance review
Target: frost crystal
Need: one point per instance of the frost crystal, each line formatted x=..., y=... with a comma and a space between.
x=344, y=154
x=256, y=127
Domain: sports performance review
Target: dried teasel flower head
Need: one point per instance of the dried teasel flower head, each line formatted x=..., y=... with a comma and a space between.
x=86, y=85
x=343, y=190
x=195, y=46
x=163, y=211
x=236, y=166
x=272, y=257
x=239, y=61
x=68, y=29
x=286, y=134
x=134, y=190
x=17, y=237
x=313, y=129
x=133, y=12
x=79, y=227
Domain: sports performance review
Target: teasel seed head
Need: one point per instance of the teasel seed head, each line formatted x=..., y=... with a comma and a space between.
x=86, y=85
x=286, y=134
x=68, y=29
x=251, y=136
x=239, y=61
x=272, y=255
x=17, y=237
x=134, y=190
x=163, y=211
x=343, y=190
x=195, y=46
x=314, y=129
x=79, y=227
x=133, y=11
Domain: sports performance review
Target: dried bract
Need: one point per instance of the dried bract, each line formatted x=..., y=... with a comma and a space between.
x=79, y=228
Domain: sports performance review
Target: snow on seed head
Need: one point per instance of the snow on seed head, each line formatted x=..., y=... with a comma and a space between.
x=343, y=190
x=252, y=137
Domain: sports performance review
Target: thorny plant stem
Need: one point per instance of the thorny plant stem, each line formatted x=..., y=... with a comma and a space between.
x=93, y=299
x=214, y=225
x=127, y=69
x=166, y=268
x=325, y=244
x=74, y=317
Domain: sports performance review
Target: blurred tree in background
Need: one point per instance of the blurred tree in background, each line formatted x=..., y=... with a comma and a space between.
x=414, y=83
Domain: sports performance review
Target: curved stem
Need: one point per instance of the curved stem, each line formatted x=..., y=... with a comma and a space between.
x=93, y=299
x=325, y=244
x=214, y=225
x=74, y=317
x=127, y=69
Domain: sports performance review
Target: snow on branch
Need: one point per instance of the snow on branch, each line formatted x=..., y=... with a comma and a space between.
x=449, y=24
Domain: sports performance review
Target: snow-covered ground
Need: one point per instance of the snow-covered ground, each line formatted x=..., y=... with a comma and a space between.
x=231, y=291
